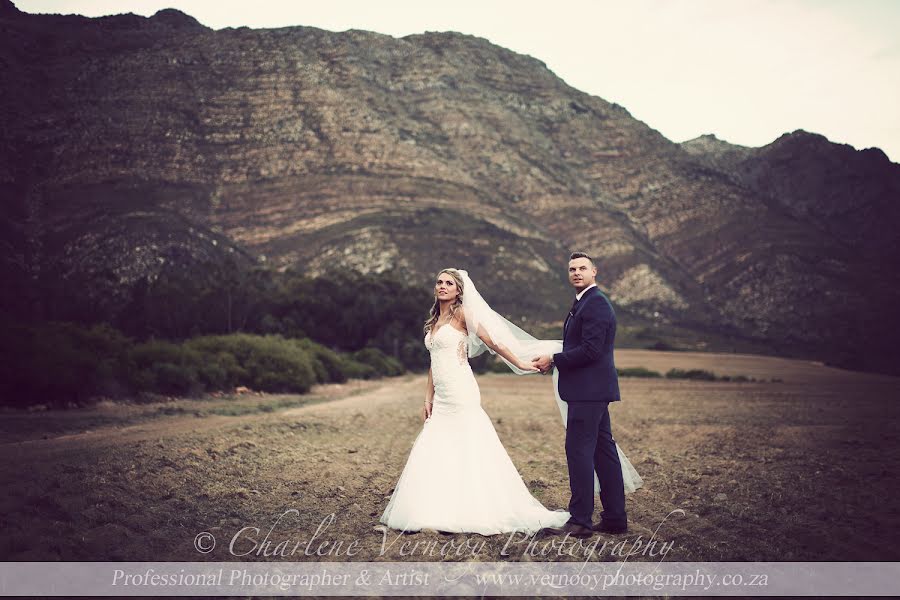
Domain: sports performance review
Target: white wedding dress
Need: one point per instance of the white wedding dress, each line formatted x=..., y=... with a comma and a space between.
x=459, y=477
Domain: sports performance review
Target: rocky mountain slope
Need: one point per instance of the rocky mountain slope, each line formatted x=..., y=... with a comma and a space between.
x=133, y=142
x=851, y=195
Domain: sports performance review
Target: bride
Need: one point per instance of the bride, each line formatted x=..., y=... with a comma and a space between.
x=459, y=477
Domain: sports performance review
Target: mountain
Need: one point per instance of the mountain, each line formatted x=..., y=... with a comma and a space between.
x=849, y=194
x=134, y=143
x=711, y=152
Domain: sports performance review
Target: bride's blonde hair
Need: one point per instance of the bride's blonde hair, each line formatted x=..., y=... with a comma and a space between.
x=436, y=307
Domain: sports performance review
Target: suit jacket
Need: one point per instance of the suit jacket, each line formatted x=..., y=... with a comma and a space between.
x=587, y=372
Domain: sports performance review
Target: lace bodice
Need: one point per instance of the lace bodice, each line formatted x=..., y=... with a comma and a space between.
x=435, y=343
x=454, y=382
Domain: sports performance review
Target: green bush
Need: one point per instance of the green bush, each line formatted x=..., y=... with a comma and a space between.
x=267, y=363
x=698, y=374
x=58, y=363
x=358, y=370
x=330, y=366
x=637, y=372
x=479, y=363
x=174, y=379
x=163, y=367
x=663, y=345
x=736, y=378
x=495, y=364
x=220, y=371
x=384, y=365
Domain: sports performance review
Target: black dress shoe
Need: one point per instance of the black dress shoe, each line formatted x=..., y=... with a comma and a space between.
x=573, y=529
x=607, y=528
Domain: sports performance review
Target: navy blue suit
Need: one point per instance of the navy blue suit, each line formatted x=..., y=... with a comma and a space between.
x=588, y=383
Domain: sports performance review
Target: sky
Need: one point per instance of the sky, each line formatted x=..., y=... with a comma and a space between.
x=746, y=71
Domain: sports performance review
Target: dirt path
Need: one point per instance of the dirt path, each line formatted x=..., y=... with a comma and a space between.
x=354, y=393
x=798, y=470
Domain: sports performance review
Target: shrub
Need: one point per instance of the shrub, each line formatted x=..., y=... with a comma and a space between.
x=220, y=371
x=637, y=372
x=496, y=365
x=736, y=378
x=662, y=345
x=268, y=363
x=58, y=363
x=174, y=379
x=384, y=365
x=358, y=370
x=330, y=366
x=698, y=374
x=164, y=367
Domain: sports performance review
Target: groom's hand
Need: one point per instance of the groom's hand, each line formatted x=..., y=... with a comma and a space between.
x=543, y=363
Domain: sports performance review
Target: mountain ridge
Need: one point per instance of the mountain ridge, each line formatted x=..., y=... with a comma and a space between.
x=303, y=147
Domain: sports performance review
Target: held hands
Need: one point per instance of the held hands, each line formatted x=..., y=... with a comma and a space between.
x=542, y=363
x=528, y=368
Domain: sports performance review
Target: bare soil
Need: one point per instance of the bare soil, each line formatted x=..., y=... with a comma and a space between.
x=802, y=468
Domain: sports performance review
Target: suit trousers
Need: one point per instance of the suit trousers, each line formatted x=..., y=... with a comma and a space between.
x=590, y=448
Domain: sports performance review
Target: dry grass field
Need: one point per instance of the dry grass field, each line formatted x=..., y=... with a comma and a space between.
x=801, y=468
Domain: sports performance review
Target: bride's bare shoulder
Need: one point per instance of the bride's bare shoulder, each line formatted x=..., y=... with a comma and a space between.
x=460, y=317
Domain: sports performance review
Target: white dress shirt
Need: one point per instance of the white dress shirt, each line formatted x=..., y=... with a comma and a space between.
x=581, y=293
x=577, y=297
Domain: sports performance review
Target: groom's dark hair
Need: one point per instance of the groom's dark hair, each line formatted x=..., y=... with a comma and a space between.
x=581, y=255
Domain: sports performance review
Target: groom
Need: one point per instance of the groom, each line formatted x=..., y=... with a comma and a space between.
x=588, y=383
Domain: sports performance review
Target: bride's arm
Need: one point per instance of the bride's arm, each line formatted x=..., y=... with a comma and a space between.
x=499, y=348
x=429, y=396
